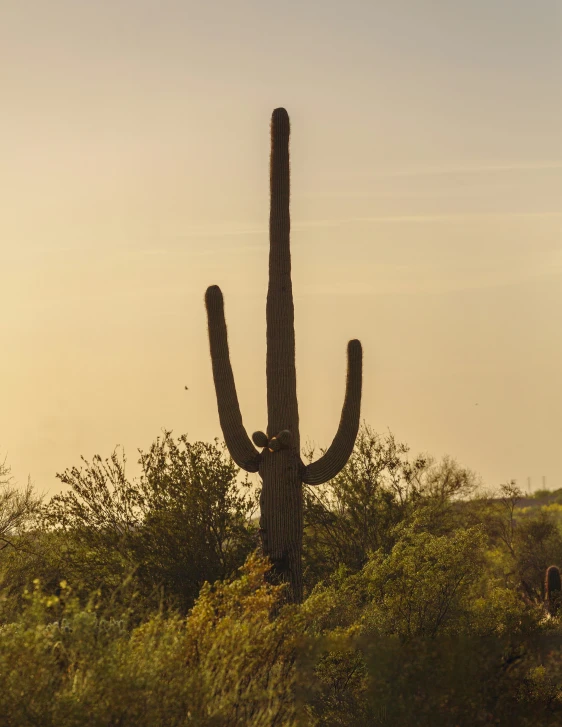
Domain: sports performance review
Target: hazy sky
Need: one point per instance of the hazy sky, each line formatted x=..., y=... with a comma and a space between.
x=426, y=159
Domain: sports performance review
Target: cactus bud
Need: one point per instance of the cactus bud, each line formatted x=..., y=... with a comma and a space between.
x=259, y=439
x=285, y=438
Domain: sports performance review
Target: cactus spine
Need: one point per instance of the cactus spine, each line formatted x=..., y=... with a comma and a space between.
x=279, y=463
x=553, y=590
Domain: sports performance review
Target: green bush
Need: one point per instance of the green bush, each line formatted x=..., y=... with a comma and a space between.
x=421, y=620
x=379, y=489
x=184, y=521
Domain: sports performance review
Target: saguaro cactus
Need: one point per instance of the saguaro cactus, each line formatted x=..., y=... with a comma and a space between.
x=553, y=590
x=279, y=463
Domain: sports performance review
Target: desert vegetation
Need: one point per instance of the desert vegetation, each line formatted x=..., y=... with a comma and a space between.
x=146, y=600
x=359, y=585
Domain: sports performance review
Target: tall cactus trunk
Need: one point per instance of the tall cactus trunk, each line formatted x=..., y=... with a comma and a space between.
x=281, y=504
x=282, y=406
x=279, y=463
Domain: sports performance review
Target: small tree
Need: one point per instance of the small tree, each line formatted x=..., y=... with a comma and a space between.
x=527, y=540
x=197, y=516
x=538, y=542
x=380, y=487
x=17, y=508
x=185, y=521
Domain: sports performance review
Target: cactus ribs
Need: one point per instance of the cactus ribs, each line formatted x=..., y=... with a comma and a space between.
x=279, y=463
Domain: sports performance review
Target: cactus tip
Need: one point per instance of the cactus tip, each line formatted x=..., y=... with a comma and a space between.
x=354, y=344
x=280, y=121
x=213, y=294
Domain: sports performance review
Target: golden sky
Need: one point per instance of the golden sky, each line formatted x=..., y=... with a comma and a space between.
x=426, y=158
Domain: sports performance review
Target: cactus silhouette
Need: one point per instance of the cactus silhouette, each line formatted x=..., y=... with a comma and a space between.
x=553, y=590
x=279, y=463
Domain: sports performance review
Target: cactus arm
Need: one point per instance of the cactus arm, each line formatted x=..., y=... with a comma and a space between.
x=239, y=445
x=282, y=403
x=335, y=458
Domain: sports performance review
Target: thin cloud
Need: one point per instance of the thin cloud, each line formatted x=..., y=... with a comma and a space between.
x=425, y=219
x=480, y=168
x=222, y=231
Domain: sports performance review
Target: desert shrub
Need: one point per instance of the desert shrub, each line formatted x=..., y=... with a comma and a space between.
x=426, y=637
x=358, y=511
x=421, y=587
x=418, y=636
x=197, y=517
x=525, y=541
x=228, y=663
x=415, y=613
x=184, y=521
x=538, y=544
